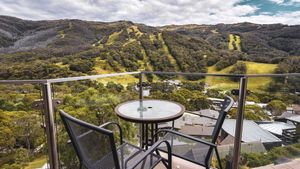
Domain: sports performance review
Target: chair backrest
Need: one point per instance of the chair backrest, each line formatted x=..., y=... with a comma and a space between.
x=225, y=107
x=94, y=146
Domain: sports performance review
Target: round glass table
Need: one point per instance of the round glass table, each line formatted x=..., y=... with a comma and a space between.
x=149, y=112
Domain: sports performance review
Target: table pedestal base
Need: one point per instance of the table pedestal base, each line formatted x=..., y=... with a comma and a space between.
x=147, y=131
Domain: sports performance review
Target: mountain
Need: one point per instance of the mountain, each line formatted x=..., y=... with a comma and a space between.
x=56, y=48
x=259, y=42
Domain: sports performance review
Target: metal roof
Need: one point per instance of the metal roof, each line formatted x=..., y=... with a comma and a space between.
x=276, y=127
x=251, y=131
x=294, y=118
x=197, y=130
x=192, y=119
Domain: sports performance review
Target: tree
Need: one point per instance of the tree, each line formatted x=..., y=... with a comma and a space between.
x=22, y=157
x=164, y=87
x=252, y=112
x=81, y=65
x=7, y=136
x=28, y=129
x=214, y=93
x=277, y=107
x=225, y=62
x=201, y=102
x=238, y=68
x=114, y=86
x=193, y=85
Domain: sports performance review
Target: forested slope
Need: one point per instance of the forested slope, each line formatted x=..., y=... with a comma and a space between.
x=60, y=48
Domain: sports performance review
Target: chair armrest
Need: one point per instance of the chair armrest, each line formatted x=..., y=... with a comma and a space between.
x=118, y=126
x=190, y=112
x=151, y=150
x=186, y=136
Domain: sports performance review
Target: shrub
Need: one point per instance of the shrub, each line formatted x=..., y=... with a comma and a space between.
x=238, y=68
x=225, y=62
x=257, y=159
x=277, y=107
x=81, y=65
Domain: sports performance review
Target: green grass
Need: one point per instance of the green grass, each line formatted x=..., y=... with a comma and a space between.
x=136, y=30
x=234, y=39
x=60, y=64
x=257, y=84
x=152, y=37
x=98, y=44
x=130, y=40
x=112, y=38
x=62, y=34
x=37, y=163
x=102, y=67
x=166, y=50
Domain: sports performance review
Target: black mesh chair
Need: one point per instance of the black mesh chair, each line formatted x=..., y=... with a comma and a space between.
x=96, y=149
x=194, y=149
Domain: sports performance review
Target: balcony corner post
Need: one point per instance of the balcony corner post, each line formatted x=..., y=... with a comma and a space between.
x=239, y=122
x=50, y=126
x=141, y=79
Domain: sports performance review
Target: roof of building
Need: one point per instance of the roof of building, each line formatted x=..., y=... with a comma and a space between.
x=192, y=119
x=251, y=131
x=253, y=147
x=294, y=118
x=197, y=130
x=296, y=108
x=277, y=127
x=227, y=140
x=209, y=113
x=285, y=115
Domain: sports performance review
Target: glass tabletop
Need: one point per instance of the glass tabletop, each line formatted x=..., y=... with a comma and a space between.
x=150, y=110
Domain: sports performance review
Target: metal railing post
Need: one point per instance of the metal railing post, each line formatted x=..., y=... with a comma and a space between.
x=141, y=97
x=50, y=126
x=141, y=79
x=239, y=122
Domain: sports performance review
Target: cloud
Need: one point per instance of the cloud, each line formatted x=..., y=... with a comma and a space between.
x=151, y=12
x=277, y=1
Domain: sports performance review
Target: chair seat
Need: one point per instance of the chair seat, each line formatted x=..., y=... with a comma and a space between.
x=128, y=153
x=186, y=148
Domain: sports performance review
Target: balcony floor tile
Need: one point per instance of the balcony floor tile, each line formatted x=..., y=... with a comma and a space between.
x=178, y=163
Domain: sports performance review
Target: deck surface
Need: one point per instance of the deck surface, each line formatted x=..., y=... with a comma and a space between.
x=183, y=164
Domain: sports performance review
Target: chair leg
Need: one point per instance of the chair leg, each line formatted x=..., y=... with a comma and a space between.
x=173, y=124
x=218, y=158
x=165, y=164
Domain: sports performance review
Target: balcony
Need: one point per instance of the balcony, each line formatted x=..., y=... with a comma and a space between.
x=232, y=140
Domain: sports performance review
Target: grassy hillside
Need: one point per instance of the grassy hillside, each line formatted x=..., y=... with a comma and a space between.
x=167, y=51
x=234, y=42
x=256, y=84
x=52, y=49
x=102, y=67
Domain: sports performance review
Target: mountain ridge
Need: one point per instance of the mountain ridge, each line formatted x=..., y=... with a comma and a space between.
x=124, y=45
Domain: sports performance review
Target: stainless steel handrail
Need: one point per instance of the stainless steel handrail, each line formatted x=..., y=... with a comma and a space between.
x=49, y=112
x=91, y=77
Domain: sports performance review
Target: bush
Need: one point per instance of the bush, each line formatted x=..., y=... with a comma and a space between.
x=252, y=112
x=277, y=107
x=238, y=68
x=225, y=62
x=261, y=159
x=193, y=85
x=81, y=65
x=257, y=159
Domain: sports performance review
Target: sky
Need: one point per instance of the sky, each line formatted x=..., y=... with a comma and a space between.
x=158, y=12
